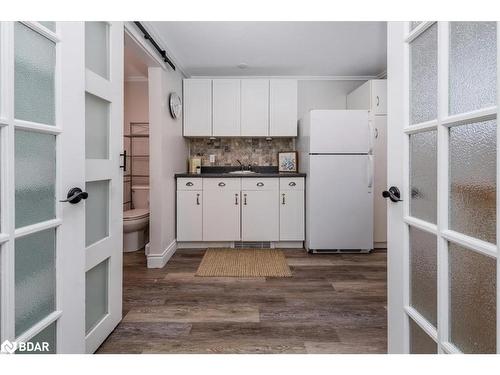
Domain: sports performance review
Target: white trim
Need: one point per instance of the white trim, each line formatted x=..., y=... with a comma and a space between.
x=42, y=30
x=201, y=244
x=3, y=122
x=422, y=127
x=159, y=260
x=288, y=245
x=38, y=227
x=483, y=114
x=421, y=224
x=136, y=79
x=423, y=323
x=37, y=127
x=297, y=77
x=442, y=185
x=4, y=238
x=471, y=243
x=449, y=348
x=498, y=190
x=40, y=326
x=417, y=31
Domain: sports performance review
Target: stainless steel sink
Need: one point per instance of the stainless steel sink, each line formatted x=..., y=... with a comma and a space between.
x=241, y=172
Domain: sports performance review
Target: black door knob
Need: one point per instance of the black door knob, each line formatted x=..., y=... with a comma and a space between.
x=393, y=194
x=75, y=195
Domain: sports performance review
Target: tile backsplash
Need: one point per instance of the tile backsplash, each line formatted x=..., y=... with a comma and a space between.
x=255, y=151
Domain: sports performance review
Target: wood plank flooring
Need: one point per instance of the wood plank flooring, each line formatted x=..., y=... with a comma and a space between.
x=332, y=304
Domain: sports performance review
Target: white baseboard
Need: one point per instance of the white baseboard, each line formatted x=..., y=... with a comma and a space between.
x=159, y=260
x=380, y=245
x=204, y=245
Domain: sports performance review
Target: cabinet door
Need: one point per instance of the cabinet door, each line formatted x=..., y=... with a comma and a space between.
x=380, y=180
x=197, y=108
x=189, y=215
x=379, y=96
x=254, y=107
x=226, y=107
x=291, y=215
x=260, y=216
x=283, y=108
x=221, y=215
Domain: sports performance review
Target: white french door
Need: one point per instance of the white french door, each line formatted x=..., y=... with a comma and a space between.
x=103, y=179
x=60, y=261
x=443, y=237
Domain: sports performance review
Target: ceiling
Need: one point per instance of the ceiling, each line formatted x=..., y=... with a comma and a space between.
x=275, y=48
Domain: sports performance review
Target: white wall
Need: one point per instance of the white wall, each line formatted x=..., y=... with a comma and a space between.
x=327, y=94
x=168, y=155
x=135, y=102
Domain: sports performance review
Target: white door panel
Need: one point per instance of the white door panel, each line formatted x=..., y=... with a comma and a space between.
x=292, y=215
x=226, y=107
x=341, y=202
x=260, y=215
x=254, y=107
x=221, y=214
x=189, y=215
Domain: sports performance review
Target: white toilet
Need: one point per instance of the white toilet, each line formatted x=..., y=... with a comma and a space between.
x=136, y=221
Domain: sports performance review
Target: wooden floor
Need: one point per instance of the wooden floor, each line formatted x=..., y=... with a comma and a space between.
x=332, y=304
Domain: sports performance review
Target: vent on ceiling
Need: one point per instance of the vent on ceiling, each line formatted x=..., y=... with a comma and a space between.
x=252, y=245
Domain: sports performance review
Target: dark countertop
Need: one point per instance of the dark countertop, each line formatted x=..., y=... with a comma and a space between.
x=223, y=172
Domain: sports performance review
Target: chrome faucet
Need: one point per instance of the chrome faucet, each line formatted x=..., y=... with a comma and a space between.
x=241, y=165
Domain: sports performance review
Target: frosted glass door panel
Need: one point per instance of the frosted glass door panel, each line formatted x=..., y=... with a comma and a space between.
x=473, y=180
x=96, y=295
x=472, y=66
x=51, y=25
x=423, y=265
x=97, y=48
x=34, y=278
x=47, y=335
x=35, y=174
x=96, y=127
x=472, y=300
x=423, y=176
x=423, y=76
x=34, y=76
x=420, y=342
x=96, y=211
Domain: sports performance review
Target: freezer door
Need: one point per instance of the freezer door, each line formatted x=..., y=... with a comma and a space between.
x=340, y=132
x=340, y=202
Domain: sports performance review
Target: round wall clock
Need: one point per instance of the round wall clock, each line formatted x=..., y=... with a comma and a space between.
x=175, y=104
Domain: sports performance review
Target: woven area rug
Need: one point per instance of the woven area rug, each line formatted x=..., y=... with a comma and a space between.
x=244, y=263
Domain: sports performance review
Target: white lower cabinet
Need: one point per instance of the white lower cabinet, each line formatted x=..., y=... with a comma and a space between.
x=240, y=209
x=189, y=215
x=221, y=209
x=260, y=215
x=291, y=215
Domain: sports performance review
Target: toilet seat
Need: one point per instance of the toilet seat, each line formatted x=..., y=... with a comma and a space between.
x=137, y=213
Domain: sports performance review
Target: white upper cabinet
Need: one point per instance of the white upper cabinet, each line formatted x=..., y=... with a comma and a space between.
x=197, y=107
x=254, y=107
x=226, y=107
x=234, y=108
x=372, y=95
x=283, y=108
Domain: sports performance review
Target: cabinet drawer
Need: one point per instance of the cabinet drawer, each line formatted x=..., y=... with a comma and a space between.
x=260, y=184
x=291, y=183
x=222, y=184
x=186, y=183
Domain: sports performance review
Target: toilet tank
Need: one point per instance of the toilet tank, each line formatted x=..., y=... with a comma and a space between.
x=140, y=196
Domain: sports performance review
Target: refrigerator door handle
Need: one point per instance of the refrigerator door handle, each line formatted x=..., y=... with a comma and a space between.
x=370, y=171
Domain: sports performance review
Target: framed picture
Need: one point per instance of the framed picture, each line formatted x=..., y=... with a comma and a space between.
x=288, y=161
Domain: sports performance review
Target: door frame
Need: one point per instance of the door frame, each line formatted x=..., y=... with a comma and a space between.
x=69, y=219
x=399, y=220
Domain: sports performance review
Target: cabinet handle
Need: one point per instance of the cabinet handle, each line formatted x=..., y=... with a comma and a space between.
x=292, y=184
x=244, y=199
x=283, y=198
x=260, y=184
x=236, y=199
x=222, y=184
x=189, y=183
x=198, y=199
x=376, y=133
x=378, y=101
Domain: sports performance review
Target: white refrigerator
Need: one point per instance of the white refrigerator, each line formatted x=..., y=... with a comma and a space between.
x=335, y=148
